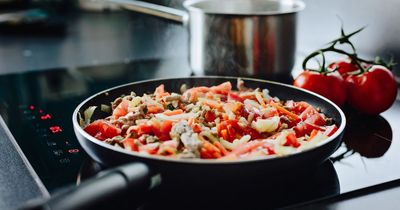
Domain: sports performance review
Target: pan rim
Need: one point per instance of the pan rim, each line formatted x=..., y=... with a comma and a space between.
x=78, y=128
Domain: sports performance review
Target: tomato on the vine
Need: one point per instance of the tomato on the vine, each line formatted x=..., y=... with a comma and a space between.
x=372, y=92
x=344, y=67
x=331, y=85
x=368, y=86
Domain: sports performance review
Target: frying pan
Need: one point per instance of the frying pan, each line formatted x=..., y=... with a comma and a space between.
x=184, y=171
x=187, y=176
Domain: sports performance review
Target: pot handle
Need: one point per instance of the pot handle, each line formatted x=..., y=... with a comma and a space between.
x=100, y=191
x=154, y=9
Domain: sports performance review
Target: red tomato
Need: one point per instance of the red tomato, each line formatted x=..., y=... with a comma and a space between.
x=143, y=128
x=102, y=130
x=310, y=110
x=299, y=107
x=129, y=143
x=209, y=116
x=373, y=91
x=291, y=140
x=344, y=67
x=121, y=109
x=235, y=97
x=304, y=128
x=330, y=130
x=161, y=130
x=231, y=130
x=331, y=86
x=316, y=119
x=223, y=88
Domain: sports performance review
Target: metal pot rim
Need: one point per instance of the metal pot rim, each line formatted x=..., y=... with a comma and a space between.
x=193, y=6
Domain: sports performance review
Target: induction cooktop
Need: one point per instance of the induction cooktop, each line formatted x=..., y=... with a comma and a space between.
x=37, y=107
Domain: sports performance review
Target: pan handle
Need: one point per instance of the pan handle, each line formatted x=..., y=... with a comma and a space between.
x=123, y=182
x=154, y=9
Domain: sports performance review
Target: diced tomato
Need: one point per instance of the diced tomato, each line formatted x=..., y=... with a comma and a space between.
x=162, y=129
x=229, y=130
x=102, y=130
x=250, y=97
x=316, y=119
x=196, y=128
x=310, y=110
x=247, y=147
x=160, y=89
x=129, y=143
x=213, y=104
x=270, y=151
x=330, y=130
x=224, y=134
x=235, y=97
x=165, y=128
x=304, y=128
x=143, y=128
x=223, y=88
x=291, y=140
x=252, y=132
x=149, y=148
x=121, y=109
x=209, y=116
x=299, y=107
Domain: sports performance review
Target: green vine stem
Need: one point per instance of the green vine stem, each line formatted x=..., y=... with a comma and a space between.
x=344, y=39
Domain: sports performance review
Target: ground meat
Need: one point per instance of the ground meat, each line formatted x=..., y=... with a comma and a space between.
x=180, y=128
x=174, y=97
x=116, y=102
x=182, y=132
x=148, y=138
x=130, y=118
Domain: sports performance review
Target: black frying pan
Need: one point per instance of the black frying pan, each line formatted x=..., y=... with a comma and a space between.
x=187, y=177
x=211, y=169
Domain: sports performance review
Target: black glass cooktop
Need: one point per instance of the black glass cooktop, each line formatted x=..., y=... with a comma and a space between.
x=37, y=107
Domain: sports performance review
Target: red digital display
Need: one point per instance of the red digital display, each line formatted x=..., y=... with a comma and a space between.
x=55, y=129
x=45, y=117
x=73, y=150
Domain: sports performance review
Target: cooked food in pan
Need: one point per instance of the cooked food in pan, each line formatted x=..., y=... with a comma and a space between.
x=215, y=122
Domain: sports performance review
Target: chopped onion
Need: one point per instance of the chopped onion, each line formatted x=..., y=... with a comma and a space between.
x=251, y=103
x=235, y=143
x=105, y=108
x=176, y=117
x=266, y=125
x=260, y=98
x=134, y=103
x=87, y=115
x=265, y=93
x=319, y=137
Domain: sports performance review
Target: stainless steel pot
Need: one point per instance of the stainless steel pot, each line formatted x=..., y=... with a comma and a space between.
x=235, y=37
